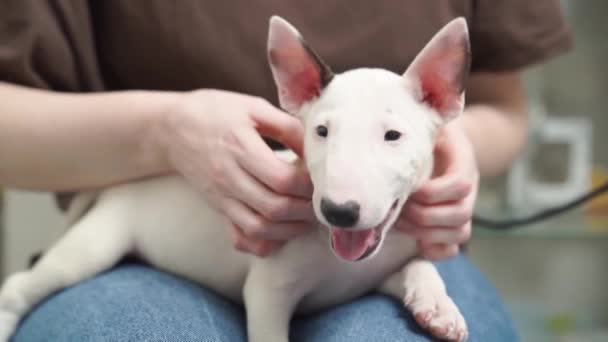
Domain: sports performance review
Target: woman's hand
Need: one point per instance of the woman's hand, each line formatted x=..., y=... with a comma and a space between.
x=439, y=214
x=213, y=138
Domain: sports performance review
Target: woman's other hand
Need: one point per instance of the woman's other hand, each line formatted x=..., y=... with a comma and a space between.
x=439, y=214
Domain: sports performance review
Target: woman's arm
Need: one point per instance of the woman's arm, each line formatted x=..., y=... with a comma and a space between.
x=61, y=142
x=496, y=120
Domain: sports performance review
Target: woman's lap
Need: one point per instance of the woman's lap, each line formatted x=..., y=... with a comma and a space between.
x=136, y=303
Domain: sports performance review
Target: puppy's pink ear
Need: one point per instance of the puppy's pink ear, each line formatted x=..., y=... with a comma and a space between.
x=298, y=72
x=439, y=72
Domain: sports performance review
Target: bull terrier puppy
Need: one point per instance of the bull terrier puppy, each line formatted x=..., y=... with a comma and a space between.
x=368, y=144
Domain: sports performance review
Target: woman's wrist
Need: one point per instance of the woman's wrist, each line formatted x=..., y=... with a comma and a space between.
x=160, y=130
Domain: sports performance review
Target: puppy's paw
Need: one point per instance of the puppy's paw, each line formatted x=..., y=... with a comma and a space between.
x=11, y=293
x=8, y=324
x=12, y=305
x=437, y=313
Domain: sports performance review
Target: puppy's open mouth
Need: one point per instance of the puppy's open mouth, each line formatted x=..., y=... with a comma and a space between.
x=354, y=245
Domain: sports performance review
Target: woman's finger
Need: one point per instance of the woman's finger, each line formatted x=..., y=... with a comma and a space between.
x=442, y=215
x=437, y=252
x=261, y=162
x=256, y=226
x=259, y=247
x=272, y=206
x=445, y=188
x=273, y=123
x=434, y=235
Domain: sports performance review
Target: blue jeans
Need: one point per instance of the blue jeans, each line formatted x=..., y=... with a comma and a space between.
x=133, y=302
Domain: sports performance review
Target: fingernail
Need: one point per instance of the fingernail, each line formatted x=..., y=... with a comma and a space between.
x=240, y=245
x=262, y=250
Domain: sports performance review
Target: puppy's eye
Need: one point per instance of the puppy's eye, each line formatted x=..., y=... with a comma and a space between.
x=322, y=131
x=392, y=135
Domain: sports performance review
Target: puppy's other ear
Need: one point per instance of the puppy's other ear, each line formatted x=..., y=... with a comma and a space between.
x=439, y=72
x=298, y=72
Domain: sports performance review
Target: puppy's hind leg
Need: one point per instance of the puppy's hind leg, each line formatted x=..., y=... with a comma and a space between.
x=92, y=245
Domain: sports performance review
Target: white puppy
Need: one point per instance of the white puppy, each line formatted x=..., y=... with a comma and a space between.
x=369, y=136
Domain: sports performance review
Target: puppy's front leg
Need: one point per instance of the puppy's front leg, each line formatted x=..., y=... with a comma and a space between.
x=423, y=292
x=270, y=298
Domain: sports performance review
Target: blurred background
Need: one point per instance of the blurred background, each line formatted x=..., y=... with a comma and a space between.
x=553, y=275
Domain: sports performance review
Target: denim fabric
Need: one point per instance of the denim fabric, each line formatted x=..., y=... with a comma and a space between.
x=134, y=302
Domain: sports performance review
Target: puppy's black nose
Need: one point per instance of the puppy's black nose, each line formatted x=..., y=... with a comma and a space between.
x=341, y=215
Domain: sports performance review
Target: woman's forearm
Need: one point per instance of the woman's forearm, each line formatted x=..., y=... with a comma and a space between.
x=62, y=142
x=497, y=137
x=496, y=120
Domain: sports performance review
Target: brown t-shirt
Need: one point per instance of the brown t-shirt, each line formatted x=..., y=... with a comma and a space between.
x=80, y=45
x=85, y=46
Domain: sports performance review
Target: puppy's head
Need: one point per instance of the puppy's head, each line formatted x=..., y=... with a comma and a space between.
x=369, y=133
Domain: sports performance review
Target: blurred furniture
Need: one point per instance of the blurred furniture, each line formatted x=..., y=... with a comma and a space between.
x=1, y=232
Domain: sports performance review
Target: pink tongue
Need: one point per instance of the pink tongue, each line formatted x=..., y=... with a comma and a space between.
x=351, y=245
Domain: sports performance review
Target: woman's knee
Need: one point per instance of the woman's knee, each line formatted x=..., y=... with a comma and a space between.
x=134, y=303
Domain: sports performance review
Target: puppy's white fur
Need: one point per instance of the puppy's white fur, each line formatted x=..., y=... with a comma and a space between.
x=171, y=226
